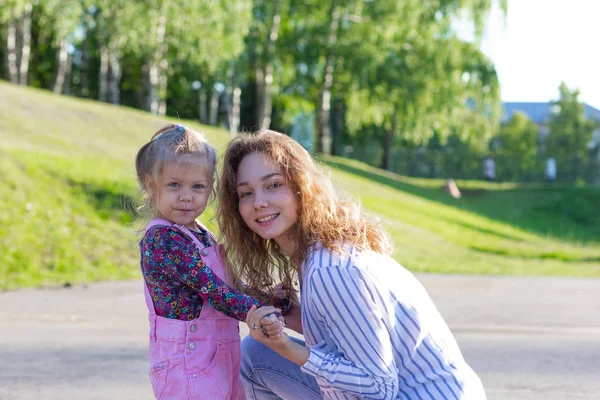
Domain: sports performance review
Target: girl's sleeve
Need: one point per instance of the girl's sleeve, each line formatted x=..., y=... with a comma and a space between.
x=363, y=364
x=179, y=258
x=283, y=303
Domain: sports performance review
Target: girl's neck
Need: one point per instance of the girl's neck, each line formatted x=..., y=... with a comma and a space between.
x=192, y=226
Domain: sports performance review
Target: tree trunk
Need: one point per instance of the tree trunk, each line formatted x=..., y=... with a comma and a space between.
x=388, y=143
x=158, y=71
x=142, y=94
x=234, y=121
x=260, y=92
x=61, y=71
x=162, y=89
x=268, y=108
x=115, y=77
x=214, y=108
x=84, y=89
x=25, y=45
x=338, y=119
x=264, y=73
x=103, y=74
x=228, y=106
x=11, y=52
x=67, y=80
x=324, y=110
x=153, y=87
x=202, y=105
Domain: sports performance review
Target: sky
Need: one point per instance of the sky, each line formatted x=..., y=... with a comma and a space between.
x=541, y=43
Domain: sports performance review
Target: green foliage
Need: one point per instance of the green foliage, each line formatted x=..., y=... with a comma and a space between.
x=417, y=86
x=569, y=136
x=515, y=155
x=67, y=183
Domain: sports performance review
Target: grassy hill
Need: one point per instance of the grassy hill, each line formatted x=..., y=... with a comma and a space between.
x=66, y=177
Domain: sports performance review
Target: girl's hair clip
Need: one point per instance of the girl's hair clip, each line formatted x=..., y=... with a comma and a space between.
x=178, y=128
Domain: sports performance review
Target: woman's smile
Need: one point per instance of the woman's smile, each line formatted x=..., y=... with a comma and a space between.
x=267, y=219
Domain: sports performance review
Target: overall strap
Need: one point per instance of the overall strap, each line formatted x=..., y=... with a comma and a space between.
x=160, y=221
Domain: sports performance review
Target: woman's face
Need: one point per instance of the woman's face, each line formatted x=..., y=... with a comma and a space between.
x=266, y=202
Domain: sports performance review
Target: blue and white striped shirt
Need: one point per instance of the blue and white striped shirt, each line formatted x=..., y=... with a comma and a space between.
x=374, y=333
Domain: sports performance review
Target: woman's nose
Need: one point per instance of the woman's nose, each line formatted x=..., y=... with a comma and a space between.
x=259, y=202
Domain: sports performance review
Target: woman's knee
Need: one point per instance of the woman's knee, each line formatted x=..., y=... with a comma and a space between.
x=251, y=351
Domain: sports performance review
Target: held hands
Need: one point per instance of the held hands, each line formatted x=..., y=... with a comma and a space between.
x=266, y=325
x=267, y=329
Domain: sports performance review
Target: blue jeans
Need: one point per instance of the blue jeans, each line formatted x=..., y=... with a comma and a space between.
x=268, y=376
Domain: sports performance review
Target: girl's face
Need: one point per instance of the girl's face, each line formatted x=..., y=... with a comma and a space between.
x=266, y=202
x=182, y=191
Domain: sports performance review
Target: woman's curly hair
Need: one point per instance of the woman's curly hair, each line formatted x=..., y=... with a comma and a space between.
x=323, y=216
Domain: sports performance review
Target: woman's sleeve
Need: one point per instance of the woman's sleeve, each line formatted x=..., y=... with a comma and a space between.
x=180, y=259
x=363, y=364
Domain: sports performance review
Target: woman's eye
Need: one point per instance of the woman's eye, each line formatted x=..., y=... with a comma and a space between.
x=274, y=185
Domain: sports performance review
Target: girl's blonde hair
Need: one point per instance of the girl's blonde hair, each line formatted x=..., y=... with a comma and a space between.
x=323, y=216
x=172, y=143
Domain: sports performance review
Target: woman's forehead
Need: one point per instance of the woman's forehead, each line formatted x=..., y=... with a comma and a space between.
x=255, y=166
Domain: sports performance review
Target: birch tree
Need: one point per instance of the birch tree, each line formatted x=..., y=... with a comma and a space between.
x=15, y=16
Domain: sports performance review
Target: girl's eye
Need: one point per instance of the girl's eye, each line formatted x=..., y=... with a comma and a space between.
x=198, y=186
x=274, y=185
x=244, y=194
x=173, y=184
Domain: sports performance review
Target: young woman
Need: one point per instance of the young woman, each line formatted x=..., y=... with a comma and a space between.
x=371, y=329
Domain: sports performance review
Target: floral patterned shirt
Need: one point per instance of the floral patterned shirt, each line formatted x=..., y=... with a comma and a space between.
x=180, y=282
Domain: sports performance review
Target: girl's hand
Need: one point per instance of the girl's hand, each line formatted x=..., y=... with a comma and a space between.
x=265, y=324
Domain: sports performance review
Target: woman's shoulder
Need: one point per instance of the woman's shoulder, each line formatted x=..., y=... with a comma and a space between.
x=349, y=256
x=319, y=256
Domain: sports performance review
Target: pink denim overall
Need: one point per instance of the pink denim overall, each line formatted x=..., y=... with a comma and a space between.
x=198, y=359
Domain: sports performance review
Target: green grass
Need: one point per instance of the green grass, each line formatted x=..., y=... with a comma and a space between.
x=67, y=177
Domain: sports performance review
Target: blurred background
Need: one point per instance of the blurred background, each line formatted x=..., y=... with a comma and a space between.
x=468, y=126
x=408, y=86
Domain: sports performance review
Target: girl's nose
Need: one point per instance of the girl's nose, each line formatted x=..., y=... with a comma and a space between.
x=185, y=197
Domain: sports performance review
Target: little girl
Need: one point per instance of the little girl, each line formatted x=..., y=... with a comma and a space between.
x=193, y=311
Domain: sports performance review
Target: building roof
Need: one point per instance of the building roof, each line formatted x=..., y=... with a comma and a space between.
x=540, y=112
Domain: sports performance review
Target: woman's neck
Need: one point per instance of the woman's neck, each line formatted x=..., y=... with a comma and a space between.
x=287, y=243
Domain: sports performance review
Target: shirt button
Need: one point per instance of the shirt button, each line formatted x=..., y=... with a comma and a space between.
x=192, y=346
x=193, y=328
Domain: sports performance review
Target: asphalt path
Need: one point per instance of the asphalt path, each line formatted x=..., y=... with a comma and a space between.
x=527, y=338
